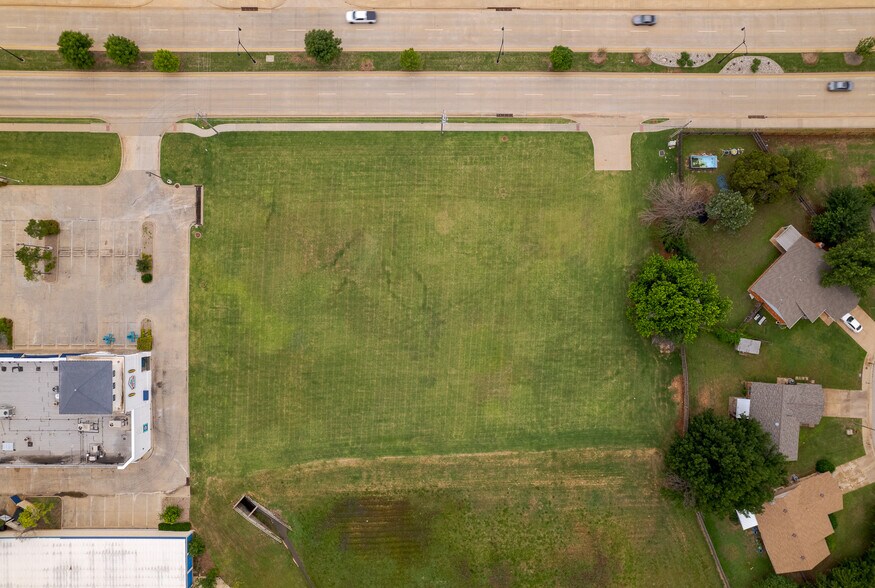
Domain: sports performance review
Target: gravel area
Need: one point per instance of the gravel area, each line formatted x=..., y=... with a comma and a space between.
x=670, y=58
x=741, y=65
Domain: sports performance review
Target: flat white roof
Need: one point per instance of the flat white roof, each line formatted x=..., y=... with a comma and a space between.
x=747, y=520
x=94, y=559
x=742, y=407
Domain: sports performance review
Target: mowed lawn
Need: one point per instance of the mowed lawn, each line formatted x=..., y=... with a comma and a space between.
x=68, y=159
x=362, y=295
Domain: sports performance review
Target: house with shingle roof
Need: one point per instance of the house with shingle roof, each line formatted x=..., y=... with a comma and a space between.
x=790, y=288
x=781, y=409
x=795, y=524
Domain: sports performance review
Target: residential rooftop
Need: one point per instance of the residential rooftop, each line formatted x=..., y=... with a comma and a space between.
x=782, y=408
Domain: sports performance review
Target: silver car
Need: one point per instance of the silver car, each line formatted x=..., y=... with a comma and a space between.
x=840, y=86
x=644, y=20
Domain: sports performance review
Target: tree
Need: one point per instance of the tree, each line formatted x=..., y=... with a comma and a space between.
x=322, y=45
x=32, y=515
x=411, y=60
x=165, y=61
x=857, y=572
x=30, y=256
x=74, y=48
x=38, y=229
x=852, y=264
x=561, y=58
x=776, y=581
x=171, y=514
x=121, y=50
x=673, y=203
x=669, y=297
x=196, y=547
x=762, y=177
x=729, y=464
x=865, y=46
x=825, y=465
x=846, y=216
x=730, y=210
x=210, y=579
x=805, y=165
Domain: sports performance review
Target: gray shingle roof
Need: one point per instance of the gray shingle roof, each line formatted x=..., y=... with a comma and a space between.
x=791, y=286
x=782, y=408
x=85, y=387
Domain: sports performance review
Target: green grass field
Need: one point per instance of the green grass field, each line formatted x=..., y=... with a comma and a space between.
x=827, y=440
x=428, y=331
x=60, y=158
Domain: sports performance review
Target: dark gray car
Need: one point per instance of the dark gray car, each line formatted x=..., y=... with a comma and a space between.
x=644, y=20
x=840, y=86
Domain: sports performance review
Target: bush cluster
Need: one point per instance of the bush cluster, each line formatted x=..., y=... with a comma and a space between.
x=144, y=343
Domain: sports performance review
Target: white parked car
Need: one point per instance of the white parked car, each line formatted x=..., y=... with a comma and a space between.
x=361, y=17
x=852, y=323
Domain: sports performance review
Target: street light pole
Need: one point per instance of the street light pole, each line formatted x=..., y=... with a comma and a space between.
x=501, y=48
x=19, y=58
x=239, y=45
x=743, y=42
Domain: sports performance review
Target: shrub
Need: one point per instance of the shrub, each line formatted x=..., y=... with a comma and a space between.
x=411, y=60
x=846, y=216
x=30, y=257
x=726, y=336
x=171, y=514
x=561, y=58
x=146, y=278
x=75, y=47
x=322, y=45
x=196, y=546
x=676, y=245
x=762, y=177
x=209, y=581
x=865, y=46
x=6, y=330
x=730, y=210
x=755, y=65
x=165, y=61
x=174, y=527
x=685, y=60
x=32, y=515
x=144, y=264
x=38, y=229
x=121, y=50
x=144, y=342
x=824, y=465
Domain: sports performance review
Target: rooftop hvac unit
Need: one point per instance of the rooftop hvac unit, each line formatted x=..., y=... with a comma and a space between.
x=7, y=412
x=87, y=427
x=118, y=423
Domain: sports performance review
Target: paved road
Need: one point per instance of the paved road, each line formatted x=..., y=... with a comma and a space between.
x=156, y=99
x=283, y=30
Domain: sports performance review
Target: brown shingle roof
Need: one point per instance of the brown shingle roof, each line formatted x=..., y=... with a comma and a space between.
x=782, y=408
x=795, y=524
x=791, y=285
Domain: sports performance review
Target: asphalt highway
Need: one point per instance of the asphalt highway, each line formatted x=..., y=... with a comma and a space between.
x=209, y=29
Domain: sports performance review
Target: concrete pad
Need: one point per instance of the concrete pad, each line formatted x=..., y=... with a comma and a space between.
x=845, y=403
x=612, y=148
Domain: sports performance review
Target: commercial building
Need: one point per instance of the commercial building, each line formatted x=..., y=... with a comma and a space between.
x=92, y=409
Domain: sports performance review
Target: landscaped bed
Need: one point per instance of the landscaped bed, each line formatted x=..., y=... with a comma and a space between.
x=414, y=347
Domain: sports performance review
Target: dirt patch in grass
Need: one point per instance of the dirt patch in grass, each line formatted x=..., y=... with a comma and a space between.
x=598, y=57
x=852, y=58
x=810, y=58
x=366, y=65
x=709, y=396
x=641, y=59
x=382, y=524
x=677, y=396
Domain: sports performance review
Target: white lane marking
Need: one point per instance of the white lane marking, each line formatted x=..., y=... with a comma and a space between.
x=296, y=30
x=328, y=93
x=776, y=31
x=157, y=30
x=188, y=94
x=806, y=95
x=707, y=31
x=846, y=30
x=15, y=27
x=396, y=93
x=226, y=30
x=602, y=94
x=534, y=94
x=570, y=30
x=258, y=94
x=464, y=93
x=115, y=94
x=432, y=29
x=506, y=30
x=738, y=95
x=45, y=93
x=669, y=95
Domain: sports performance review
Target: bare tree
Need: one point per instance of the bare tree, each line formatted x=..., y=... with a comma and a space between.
x=674, y=202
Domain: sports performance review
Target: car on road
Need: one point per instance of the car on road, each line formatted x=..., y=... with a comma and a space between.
x=852, y=323
x=361, y=17
x=644, y=20
x=840, y=86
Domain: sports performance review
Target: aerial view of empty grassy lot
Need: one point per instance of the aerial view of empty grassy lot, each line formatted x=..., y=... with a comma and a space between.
x=413, y=347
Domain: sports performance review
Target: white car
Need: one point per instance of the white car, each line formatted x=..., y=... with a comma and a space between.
x=361, y=17
x=852, y=323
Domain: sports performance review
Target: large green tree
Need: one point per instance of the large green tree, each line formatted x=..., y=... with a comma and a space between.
x=852, y=264
x=730, y=210
x=846, y=215
x=806, y=165
x=762, y=177
x=669, y=297
x=121, y=50
x=32, y=515
x=728, y=464
x=75, y=48
x=165, y=61
x=322, y=45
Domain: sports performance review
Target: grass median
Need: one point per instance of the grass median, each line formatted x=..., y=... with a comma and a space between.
x=59, y=158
